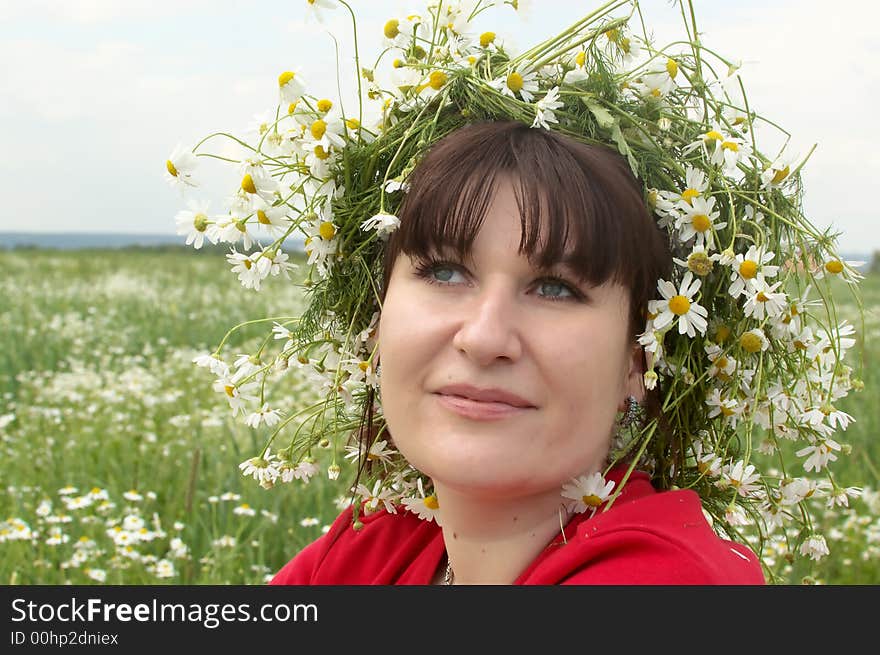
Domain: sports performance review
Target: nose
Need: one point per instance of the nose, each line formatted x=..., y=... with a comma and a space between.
x=490, y=327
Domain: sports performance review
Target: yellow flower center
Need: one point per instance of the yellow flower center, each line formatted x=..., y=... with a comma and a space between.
x=171, y=168
x=700, y=222
x=689, y=194
x=247, y=264
x=748, y=269
x=699, y=263
x=672, y=67
x=656, y=93
x=318, y=129
x=780, y=175
x=320, y=153
x=285, y=77
x=727, y=411
x=679, y=305
x=247, y=183
x=398, y=63
x=750, y=342
x=230, y=390
x=761, y=297
x=436, y=80
x=730, y=145
x=721, y=362
x=200, y=223
x=352, y=123
x=722, y=334
x=262, y=218
x=835, y=266
x=799, y=345
x=591, y=500
x=324, y=105
x=713, y=135
x=515, y=82
x=624, y=46
x=486, y=38
x=580, y=58
x=291, y=107
x=363, y=366
x=327, y=230
x=431, y=502
x=613, y=35
x=391, y=29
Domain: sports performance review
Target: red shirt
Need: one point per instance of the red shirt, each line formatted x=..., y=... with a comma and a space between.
x=647, y=537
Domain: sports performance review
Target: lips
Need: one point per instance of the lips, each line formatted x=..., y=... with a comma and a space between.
x=492, y=395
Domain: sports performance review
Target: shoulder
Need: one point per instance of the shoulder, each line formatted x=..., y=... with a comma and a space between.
x=345, y=555
x=653, y=537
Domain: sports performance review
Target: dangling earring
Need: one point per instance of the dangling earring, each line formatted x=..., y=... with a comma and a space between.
x=632, y=415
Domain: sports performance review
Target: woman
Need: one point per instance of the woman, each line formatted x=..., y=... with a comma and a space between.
x=512, y=297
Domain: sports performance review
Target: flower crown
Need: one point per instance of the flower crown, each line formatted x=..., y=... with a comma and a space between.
x=743, y=344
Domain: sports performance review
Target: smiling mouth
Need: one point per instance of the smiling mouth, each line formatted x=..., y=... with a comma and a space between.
x=479, y=410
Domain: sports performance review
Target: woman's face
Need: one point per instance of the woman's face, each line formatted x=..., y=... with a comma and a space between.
x=494, y=324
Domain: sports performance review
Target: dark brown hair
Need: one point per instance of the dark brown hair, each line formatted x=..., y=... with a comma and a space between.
x=593, y=205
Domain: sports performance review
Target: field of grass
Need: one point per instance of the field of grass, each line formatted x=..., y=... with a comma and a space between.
x=120, y=464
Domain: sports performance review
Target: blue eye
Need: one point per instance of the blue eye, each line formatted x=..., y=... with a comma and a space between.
x=441, y=273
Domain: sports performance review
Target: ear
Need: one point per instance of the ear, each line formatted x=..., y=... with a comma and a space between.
x=634, y=383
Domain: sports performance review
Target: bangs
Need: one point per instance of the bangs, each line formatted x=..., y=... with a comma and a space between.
x=580, y=206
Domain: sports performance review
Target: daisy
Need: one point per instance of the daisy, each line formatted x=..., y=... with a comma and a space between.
x=244, y=510
x=778, y=172
x=377, y=452
x=270, y=417
x=695, y=185
x=518, y=82
x=260, y=468
x=820, y=453
x=251, y=269
x=193, y=222
x=762, y=300
x=236, y=394
x=742, y=477
x=384, y=224
x=729, y=408
x=328, y=133
x=309, y=521
x=179, y=168
x=698, y=220
x=840, y=496
x=814, y=547
x=290, y=87
x=795, y=490
x=544, y=109
x=132, y=496
x=836, y=267
x=212, y=362
x=681, y=306
x=746, y=268
x=425, y=507
x=164, y=569
x=373, y=498
x=272, y=218
x=587, y=492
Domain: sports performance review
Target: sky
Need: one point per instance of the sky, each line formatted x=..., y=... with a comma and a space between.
x=95, y=94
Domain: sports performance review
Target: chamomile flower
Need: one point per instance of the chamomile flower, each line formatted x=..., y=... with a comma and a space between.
x=213, y=362
x=425, y=507
x=261, y=468
x=383, y=223
x=742, y=477
x=290, y=86
x=762, y=299
x=545, y=107
x=819, y=454
x=835, y=267
x=586, y=492
x=376, y=453
x=746, y=268
x=251, y=269
x=194, y=222
x=518, y=82
x=270, y=417
x=778, y=172
x=814, y=547
x=698, y=219
x=179, y=168
x=238, y=395
x=680, y=306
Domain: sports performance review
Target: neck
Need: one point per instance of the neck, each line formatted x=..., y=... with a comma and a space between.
x=492, y=541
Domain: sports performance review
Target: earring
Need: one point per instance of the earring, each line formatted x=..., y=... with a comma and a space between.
x=632, y=414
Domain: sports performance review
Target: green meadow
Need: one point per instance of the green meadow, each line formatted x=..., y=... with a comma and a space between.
x=120, y=463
